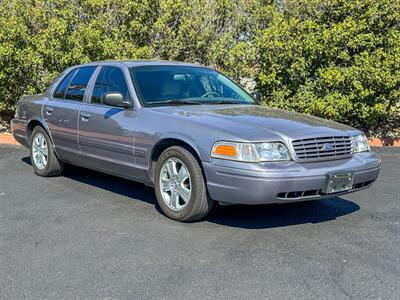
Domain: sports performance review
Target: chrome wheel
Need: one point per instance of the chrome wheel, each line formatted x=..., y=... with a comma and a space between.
x=175, y=184
x=40, y=151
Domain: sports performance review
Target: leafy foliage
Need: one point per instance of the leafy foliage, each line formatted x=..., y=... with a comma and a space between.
x=332, y=58
x=336, y=59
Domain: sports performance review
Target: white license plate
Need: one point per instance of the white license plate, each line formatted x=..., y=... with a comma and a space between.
x=339, y=182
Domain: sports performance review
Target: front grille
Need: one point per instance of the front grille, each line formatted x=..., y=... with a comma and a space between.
x=323, y=148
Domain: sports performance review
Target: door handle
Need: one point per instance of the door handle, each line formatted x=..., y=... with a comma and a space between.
x=49, y=111
x=85, y=116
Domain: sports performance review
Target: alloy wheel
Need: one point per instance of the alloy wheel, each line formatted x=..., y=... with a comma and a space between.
x=40, y=151
x=175, y=184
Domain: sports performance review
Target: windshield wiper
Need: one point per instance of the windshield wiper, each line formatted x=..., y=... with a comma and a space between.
x=226, y=102
x=175, y=102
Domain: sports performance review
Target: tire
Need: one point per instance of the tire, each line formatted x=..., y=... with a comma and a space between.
x=51, y=166
x=199, y=203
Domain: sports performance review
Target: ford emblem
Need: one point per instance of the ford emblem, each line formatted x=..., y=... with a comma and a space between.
x=326, y=147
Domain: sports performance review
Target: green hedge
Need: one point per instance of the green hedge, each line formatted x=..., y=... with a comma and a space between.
x=331, y=58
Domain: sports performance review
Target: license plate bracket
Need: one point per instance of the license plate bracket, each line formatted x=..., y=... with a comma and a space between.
x=339, y=182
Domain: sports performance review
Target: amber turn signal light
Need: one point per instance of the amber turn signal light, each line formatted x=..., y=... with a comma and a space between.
x=225, y=150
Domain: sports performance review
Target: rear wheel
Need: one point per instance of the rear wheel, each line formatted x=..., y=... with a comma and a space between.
x=180, y=187
x=43, y=159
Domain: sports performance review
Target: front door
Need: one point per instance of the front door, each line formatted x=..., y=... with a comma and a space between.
x=106, y=133
x=61, y=112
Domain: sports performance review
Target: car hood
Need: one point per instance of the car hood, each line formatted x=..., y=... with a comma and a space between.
x=256, y=122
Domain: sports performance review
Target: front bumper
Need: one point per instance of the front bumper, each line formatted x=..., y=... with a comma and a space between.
x=282, y=182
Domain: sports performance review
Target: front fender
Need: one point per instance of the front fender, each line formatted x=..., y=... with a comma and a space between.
x=178, y=137
x=187, y=139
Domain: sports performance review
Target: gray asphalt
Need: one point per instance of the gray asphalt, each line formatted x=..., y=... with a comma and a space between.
x=89, y=235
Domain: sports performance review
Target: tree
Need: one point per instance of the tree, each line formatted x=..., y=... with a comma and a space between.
x=332, y=58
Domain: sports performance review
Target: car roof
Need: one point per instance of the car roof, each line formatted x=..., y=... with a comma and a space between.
x=137, y=63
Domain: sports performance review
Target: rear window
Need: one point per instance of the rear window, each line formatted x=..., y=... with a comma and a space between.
x=78, y=84
x=62, y=87
x=73, y=86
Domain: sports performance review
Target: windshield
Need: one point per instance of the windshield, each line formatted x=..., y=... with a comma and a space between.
x=178, y=85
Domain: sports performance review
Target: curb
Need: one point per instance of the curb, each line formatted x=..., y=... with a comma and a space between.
x=376, y=142
x=8, y=139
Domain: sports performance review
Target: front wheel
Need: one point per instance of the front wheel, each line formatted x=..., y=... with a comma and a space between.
x=180, y=187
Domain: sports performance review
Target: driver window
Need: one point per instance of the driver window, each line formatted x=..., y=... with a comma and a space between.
x=110, y=79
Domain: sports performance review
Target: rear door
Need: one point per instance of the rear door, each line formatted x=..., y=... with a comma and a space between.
x=62, y=110
x=106, y=133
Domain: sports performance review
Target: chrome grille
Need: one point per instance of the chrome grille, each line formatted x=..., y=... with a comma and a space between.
x=323, y=148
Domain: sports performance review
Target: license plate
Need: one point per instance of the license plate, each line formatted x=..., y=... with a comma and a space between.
x=339, y=182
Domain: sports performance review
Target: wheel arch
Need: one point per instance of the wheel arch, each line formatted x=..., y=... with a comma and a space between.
x=32, y=124
x=166, y=143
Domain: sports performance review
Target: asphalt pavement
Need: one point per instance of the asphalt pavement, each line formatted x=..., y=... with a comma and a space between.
x=86, y=235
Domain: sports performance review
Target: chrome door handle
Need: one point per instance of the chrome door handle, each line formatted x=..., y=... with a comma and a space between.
x=49, y=111
x=85, y=116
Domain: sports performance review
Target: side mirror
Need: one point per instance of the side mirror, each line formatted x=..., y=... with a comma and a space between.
x=256, y=96
x=116, y=99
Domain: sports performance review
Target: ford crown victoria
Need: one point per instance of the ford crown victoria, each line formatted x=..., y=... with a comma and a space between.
x=193, y=134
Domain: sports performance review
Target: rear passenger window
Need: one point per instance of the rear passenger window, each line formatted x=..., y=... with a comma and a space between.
x=109, y=80
x=62, y=87
x=78, y=84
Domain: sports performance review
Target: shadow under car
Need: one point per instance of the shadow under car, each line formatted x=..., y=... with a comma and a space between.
x=241, y=216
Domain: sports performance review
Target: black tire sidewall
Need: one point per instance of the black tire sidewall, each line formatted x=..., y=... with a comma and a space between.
x=197, y=182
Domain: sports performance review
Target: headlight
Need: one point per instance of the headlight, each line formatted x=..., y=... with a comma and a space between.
x=247, y=152
x=360, y=143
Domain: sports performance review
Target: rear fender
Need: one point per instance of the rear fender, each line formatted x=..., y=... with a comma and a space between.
x=41, y=122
